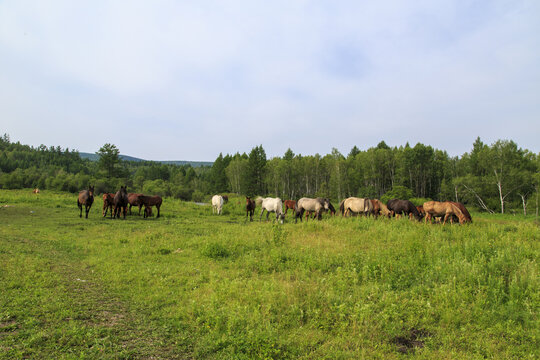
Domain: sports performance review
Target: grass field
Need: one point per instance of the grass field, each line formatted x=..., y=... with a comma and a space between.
x=195, y=285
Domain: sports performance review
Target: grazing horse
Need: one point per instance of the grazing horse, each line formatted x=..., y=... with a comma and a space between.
x=355, y=205
x=108, y=202
x=446, y=209
x=35, y=191
x=318, y=205
x=272, y=205
x=217, y=204
x=86, y=198
x=133, y=200
x=120, y=202
x=147, y=211
x=250, y=208
x=149, y=201
x=464, y=210
x=289, y=204
x=405, y=207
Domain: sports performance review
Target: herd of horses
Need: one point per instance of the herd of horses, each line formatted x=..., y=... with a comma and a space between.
x=353, y=206
x=117, y=204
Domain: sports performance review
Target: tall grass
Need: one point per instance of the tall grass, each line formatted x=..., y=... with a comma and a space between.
x=193, y=284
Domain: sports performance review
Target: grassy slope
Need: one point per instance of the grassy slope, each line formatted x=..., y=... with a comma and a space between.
x=195, y=285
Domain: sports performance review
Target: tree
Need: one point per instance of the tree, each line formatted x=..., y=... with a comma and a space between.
x=256, y=168
x=109, y=156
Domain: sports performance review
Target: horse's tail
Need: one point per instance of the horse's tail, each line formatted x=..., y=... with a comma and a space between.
x=258, y=201
x=342, y=207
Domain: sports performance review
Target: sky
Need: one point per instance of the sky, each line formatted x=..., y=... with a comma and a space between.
x=187, y=80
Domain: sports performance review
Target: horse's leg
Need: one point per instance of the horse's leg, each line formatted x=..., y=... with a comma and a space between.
x=140, y=207
x=158, y=207
x=260, y=217
x=86, y=209
x=80, y=208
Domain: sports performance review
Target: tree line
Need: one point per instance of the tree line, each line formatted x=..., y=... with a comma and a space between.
x=500, y=177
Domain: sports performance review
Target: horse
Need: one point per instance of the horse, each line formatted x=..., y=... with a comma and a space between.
x=147, y=211
x=272, y=205
x=446, y=209
x=149, y=201
x=405, y=207
x=108, y=202
x=318, y=205
x=225, y=199
x=421, y=210
x=464, y=210
x=250, y=208
x=217, y=204
x=86, y=198
x=133, y=200
x=331, y=208
x=379, y=208
x=289, y=204
x=355, y=205
x=120, y=202
x=35, y=191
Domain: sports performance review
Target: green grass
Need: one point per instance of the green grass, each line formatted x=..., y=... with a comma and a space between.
x=196, y=285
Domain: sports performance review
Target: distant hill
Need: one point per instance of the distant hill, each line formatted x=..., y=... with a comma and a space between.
x=95, y=157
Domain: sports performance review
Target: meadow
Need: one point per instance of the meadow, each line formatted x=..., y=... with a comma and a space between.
x=195, y=285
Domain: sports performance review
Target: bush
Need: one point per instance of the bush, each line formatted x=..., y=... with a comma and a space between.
x=397, y=192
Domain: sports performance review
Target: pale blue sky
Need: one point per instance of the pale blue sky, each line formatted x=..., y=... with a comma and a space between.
x=187, y=80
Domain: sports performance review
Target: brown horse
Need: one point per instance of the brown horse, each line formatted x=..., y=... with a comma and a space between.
x=250, y=208
x=120, y=202
x=446, y=209
x=133, y=200
x=404, y=207
x=225, y=199
x=35, y=191
x=86, y=198
x=151, y=201
x=147, y=211
x=108, y=203
x=289, y=204
x=464, y=210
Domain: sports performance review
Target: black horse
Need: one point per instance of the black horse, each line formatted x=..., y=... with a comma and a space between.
x=120, y=202
x=404, y=207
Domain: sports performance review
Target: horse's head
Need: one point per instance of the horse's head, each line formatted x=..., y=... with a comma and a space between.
x=326, y=203
x=91, y=190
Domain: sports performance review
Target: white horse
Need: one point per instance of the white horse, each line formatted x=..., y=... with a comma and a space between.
x=272, y=205
x=317, y=205
x=217, y=204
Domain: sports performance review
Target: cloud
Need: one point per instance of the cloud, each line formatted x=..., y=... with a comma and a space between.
x=199, y=78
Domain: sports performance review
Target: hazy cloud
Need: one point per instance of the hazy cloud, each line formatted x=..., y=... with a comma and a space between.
x=187, y=80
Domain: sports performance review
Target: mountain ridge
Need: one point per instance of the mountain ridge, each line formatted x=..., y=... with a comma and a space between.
x=95, y=157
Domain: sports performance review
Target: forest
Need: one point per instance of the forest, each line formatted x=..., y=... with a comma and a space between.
x=498, y=177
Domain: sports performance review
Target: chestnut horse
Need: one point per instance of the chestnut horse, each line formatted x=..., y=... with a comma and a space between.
x=148, y=201
x=133, y=200
x=147, y=211
x=108, y=202
x=289, y=204
x=250, y=208
x=120, y=202
x=35, y=191
x=86, y=198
